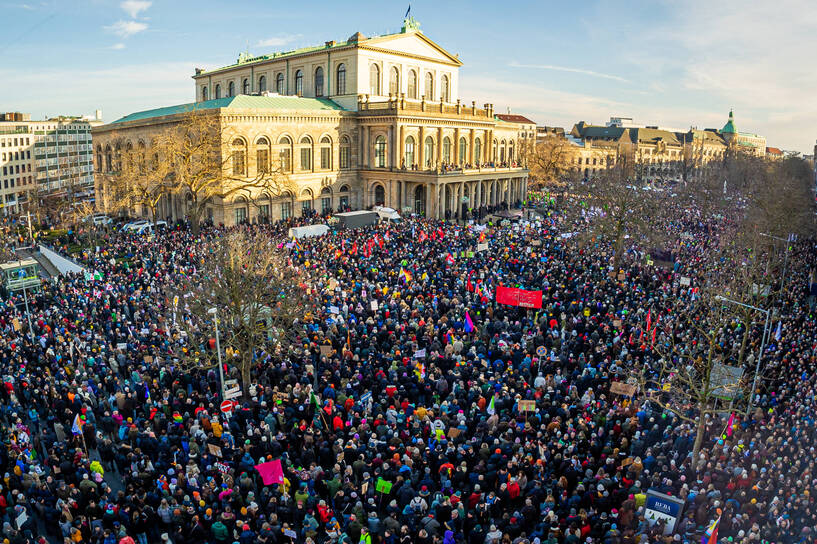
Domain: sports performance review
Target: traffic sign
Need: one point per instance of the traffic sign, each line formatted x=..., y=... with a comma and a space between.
x=227, y=406
x=541, y=351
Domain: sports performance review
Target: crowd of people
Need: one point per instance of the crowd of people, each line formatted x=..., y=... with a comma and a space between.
x=415, y=432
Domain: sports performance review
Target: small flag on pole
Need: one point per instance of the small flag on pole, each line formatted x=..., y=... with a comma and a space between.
x=778, y=334
x=76, y=428
x=491, y=407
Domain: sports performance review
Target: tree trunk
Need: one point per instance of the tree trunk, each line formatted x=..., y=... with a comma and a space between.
x=700, y=429
x=246, y=366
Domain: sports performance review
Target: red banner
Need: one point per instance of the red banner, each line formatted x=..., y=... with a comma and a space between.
x=519, y=297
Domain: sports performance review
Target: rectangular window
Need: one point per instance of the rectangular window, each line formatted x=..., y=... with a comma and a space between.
x=240, y=215
x=263, y=210
x=306, y=206
x=344, y=202
x=285, y=162
x=325, y=158
x=286, y=210
x=326, y=204
x=344, y=156
x=262, y=159
x=306, y=158
x=238, y=163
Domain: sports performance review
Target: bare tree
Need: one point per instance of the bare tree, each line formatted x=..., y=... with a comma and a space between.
x=195, y=160
x=548, y=160
x=257, y=298
x=615, y=209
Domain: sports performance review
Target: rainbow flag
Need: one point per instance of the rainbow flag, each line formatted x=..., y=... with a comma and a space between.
x=406, y=274
x=711, y=534
x=76, y=428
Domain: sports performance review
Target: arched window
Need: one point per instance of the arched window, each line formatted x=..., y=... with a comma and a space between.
x=420, y=200
x=409, y=152
x=412, y=84
x=141, y=157
x=204, y=93
x=306, y=201
x=262, y=84
x=285, y=153
x=429, y=86
x=394, y=81
x=239, y=155
x=446, y=149
x=99, y=158
x=245, y=86
x=340, y=88
x=262, y=155
x=374, y=80
x=379, y=195
x=510, y=152
x=218, y=90
x=279, y=83
x=306, y=153
x=428, y=153
x=326, y=200
x=231, y=89
x=326, y=153
x=299, y=83
x=494, y=155
x=318, y=81
x=502, y=152
x=477, y=151
x=380, y=152
x=345, y=152
x=463, y=155
x=444, y=92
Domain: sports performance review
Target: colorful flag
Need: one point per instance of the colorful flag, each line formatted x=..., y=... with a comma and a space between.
x=649, y=320
x=314, y=400
x=449, y=258
x=271, y=472
x=469, y=325
x=711, y=534
x=491, y=408
x=406, y=274
x=779, y=332
x=76, y=428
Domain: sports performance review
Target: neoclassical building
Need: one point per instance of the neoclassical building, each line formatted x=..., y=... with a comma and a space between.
x=367, y=121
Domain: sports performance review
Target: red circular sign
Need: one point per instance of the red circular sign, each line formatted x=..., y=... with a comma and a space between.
x=227, y=406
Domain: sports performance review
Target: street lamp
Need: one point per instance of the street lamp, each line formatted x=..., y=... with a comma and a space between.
x=762, y=344
x=214, y=312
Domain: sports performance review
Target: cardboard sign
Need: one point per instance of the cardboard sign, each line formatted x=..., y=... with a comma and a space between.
x=326, y=351
x=617, y=323
x=527, y=405
x=214, y=450
x=625, y=389
x=482, y=247
x=148, y=359
x=17, y=325
x=453, y=432
x=685, y=281
x=621, y=276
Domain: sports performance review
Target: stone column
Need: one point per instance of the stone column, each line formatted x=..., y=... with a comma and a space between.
x=486, y=146
x=392, y=151
x=314, y=158
x=471, y=147
x=456, y=146
x=401, y=147
x=429, y=199
x=439, y=145
x=421, y=163
x=364, y=144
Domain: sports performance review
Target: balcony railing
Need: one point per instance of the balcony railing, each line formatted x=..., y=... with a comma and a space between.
x=401, y=104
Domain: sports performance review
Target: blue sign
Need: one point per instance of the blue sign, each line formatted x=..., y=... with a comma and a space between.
x=663, y=507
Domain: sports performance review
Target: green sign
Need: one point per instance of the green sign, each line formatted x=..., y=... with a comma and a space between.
x=382, y=486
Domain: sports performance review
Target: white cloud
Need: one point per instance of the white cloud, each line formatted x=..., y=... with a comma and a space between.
x=125, y=29
x=134, y=7
x=278, y=41
x=582, y=71
x=118, y=46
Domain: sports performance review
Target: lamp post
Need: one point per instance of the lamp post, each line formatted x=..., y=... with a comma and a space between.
x=214, y=312
x=762, y=344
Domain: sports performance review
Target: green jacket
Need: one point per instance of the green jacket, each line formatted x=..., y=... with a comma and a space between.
x=220, y=532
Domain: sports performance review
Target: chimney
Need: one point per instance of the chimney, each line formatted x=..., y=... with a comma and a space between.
x=330, y=43
x=98, y=115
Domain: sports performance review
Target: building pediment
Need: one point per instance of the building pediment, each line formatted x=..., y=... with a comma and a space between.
x=412, y=44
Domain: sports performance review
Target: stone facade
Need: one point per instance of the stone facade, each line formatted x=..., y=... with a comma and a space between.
x=437, y=157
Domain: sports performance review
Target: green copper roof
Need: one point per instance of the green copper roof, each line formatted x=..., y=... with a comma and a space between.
x=241, y=101
x=729, y=127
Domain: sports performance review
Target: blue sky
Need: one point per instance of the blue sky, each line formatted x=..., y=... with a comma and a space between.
x=674, y=64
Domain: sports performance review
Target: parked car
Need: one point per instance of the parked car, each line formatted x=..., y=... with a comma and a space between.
x=151, y=227
x=134, y=225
